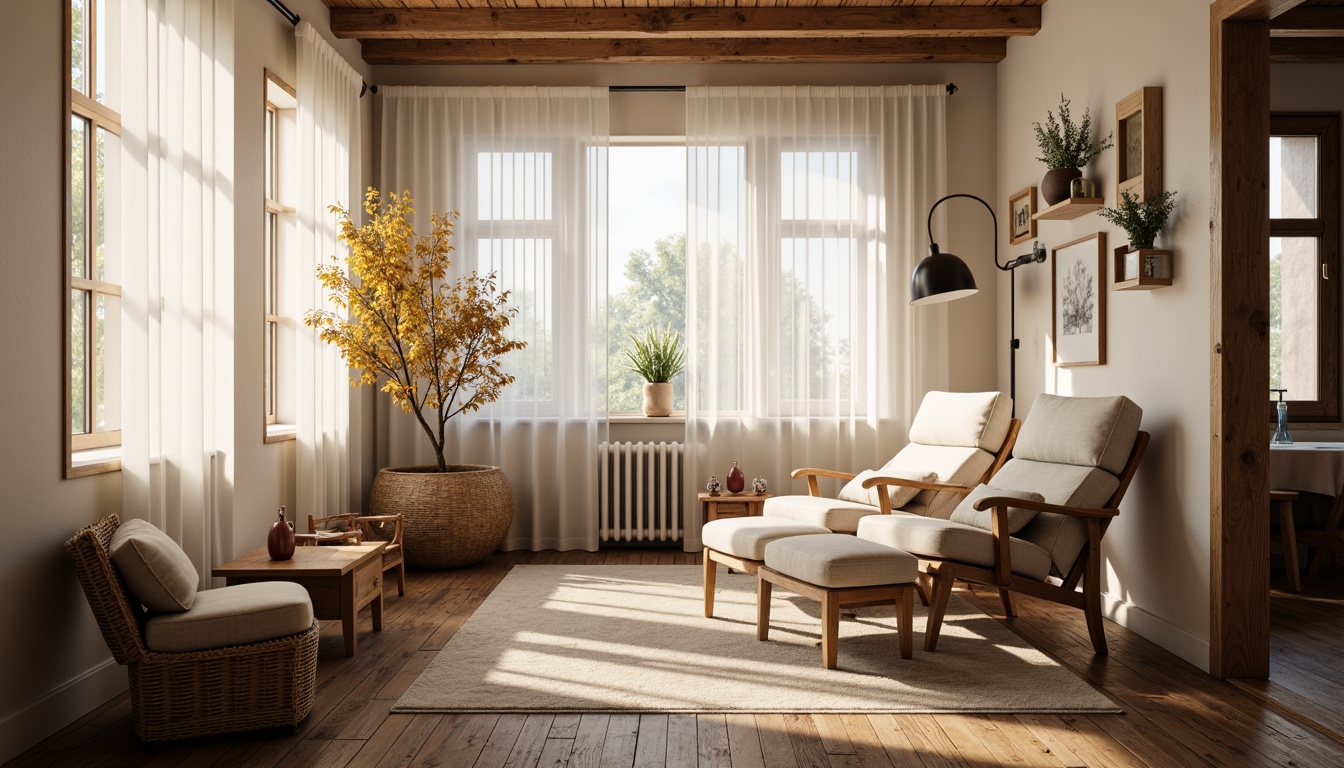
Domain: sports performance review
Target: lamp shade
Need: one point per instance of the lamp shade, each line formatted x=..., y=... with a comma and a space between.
x=941, y=277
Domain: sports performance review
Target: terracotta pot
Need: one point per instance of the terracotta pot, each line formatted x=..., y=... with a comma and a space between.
x=450, y=519
x=1055, y=185
x=658, y=399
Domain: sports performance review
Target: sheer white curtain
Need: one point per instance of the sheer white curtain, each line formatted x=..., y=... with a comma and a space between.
x=806, y=216
x=177, y=302
x=328, y=138
x=526, y=169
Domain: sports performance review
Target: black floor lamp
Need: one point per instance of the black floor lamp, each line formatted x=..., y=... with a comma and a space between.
x=943, y=277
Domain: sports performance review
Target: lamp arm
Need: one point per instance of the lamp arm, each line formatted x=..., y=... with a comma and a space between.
x=992, y=217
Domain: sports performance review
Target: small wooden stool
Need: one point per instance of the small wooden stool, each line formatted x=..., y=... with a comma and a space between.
x=1284, y=501
x=739, y=542
x=836, y=570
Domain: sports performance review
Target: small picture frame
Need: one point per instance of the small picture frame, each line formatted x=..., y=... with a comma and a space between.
x=1138, y=139
x=1021, y=216
x=1078, y=294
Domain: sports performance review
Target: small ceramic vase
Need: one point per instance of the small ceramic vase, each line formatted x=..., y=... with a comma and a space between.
x=758, y=485
x=713, y=486
x=736, y=480
x=280, y=541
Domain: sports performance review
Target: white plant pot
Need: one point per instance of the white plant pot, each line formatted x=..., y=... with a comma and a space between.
x=657, y=399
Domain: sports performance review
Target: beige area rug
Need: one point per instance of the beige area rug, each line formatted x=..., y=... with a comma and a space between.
x=604, y=638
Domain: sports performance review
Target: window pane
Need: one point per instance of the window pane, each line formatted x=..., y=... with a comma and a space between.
x=106, y=161
x=647, y=269
x=99, y=39
x=1293, y=183
x=78, y=362
x=816, y=299
x=270, y=368
x=79, y=129
x=514, y=185
x=271, y=264
x=270, y=154
x=819, y=185
x=107, y=363
x=1294, y=319
x=523, y=268
x=79, y=51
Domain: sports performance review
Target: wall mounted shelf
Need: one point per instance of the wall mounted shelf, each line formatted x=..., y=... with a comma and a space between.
x=1070, y=209
x=1142, y=270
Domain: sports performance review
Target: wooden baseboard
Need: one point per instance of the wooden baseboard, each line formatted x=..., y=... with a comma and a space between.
x=21, y=730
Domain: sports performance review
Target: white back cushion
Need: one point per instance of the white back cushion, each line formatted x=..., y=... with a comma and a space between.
x=1084, y=431
x=972, y=419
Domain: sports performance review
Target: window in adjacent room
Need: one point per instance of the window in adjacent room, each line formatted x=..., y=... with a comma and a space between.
x=92, y=264
x=278, y=342
x=1304, y=280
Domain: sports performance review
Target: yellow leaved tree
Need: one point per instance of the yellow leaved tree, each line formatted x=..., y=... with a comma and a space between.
x=435, y=343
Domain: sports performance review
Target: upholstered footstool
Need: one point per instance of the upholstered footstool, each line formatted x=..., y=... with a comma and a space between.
x=835, y=570
x=739, y=542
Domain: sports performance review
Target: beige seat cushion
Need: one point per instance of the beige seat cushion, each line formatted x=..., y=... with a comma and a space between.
x=946, y=540
x=228, y=616
x=156, y=569
x=831, y=514
x=967, y=514
x=746, y=537
x=899, y=495
x=837, y=561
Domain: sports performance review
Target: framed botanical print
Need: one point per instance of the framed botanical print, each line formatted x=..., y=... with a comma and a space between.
x=1138, y=132
x=1078, y=292
x=1021, y=209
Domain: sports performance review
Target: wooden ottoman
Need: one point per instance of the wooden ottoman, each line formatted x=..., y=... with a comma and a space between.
x=836, y=569
x=739, y=542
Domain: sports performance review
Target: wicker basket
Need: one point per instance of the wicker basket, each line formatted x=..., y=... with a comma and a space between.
x=201, y=693
x=452, y=518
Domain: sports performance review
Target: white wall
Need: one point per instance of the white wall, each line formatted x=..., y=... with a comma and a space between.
x=1309, y=88
x=53, y=661
x=1097, y=52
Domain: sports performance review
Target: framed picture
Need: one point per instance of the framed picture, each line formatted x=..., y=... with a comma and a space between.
x=1138, y=132
x=1021, y=208
x=1078, y=292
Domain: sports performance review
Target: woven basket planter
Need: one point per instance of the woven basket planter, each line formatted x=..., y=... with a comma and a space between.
x=452, y=518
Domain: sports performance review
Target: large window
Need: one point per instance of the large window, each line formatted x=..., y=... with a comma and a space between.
x=1303, y=269
x=92, y=264
x=278, y=365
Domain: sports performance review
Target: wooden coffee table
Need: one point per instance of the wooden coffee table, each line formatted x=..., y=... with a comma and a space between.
x=340, y=580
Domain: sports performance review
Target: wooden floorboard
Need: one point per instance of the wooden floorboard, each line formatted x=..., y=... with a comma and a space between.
x=1174, y=714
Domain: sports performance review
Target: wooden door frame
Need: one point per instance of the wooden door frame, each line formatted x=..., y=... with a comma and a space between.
x=1239, y=313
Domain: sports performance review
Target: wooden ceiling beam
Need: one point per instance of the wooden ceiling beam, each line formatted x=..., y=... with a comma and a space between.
x=1309, y=21
x=1306, y=50
x=962, y=50
x=679, y=22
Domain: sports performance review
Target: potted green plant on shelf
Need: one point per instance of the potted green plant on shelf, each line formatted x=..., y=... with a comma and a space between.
x=657, y=357
x=1066, y=148
x=1142, y=222
x=435, y=345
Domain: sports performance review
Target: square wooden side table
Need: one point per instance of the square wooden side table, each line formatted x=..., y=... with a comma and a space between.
x=731, y=505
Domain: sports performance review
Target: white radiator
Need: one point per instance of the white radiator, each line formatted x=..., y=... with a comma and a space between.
x=640, y=491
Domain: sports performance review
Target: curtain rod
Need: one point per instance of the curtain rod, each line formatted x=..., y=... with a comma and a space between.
x=290, y=16
x=951, y=88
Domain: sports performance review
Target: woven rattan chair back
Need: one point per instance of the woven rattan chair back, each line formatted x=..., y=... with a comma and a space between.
x=119, y=618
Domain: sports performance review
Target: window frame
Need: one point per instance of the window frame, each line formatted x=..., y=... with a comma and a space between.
x=276, y=222
x=96, y=116
x=1324, y=410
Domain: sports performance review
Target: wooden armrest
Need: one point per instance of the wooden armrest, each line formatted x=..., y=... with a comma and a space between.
x=1040, y=506
x=812, y=472
x=380, y=518
x=906, y=482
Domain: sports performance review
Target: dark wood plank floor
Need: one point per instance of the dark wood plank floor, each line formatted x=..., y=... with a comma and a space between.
x=1174, y=715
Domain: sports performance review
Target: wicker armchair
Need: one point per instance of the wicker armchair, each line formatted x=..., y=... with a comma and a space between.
x=199, y=693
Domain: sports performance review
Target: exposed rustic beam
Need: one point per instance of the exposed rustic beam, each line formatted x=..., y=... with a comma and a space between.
x=670, y=22
x=777, y=50
x=1300, y=50
x=1309, y=21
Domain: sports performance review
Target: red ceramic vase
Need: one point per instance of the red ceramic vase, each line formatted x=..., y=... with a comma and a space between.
x=736, y=480
x=280, y=541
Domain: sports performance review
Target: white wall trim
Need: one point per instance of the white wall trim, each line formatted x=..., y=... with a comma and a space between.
x=21, y=730
x=1167, y=635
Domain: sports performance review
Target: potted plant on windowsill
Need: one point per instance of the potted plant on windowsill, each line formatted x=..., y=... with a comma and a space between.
x=658, y=357
x=1066, y=148
x=1139, y=264
x=435, y=344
